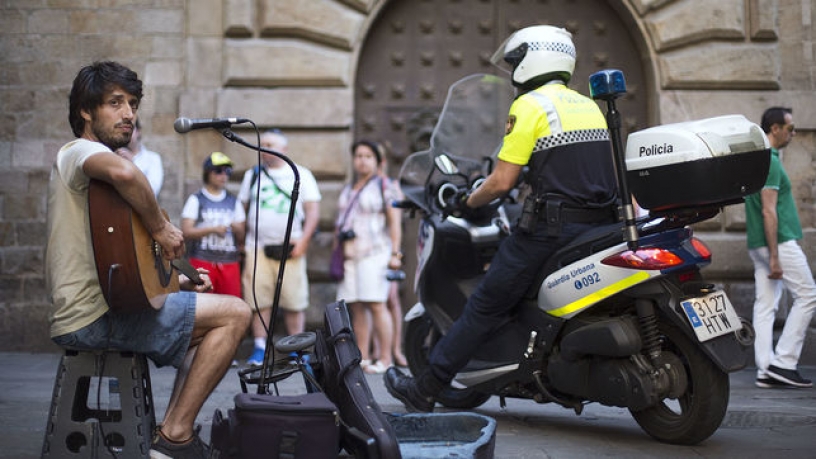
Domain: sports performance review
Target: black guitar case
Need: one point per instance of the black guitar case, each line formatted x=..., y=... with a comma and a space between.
x=365, y=430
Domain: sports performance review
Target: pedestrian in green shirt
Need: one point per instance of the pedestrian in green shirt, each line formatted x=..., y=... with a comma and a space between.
x=773, y=230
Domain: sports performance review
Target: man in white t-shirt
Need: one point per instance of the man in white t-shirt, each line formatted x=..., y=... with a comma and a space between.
x=274, y=182
x=148, y=161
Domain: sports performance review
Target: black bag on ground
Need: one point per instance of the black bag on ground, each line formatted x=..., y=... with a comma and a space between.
x=365, y=431
x=266, y=426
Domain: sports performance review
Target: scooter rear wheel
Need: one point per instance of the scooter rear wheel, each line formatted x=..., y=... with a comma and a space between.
x=696, y=414
x=420, y=338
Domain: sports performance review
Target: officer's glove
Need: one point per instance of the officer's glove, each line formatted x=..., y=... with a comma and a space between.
x=456, y=205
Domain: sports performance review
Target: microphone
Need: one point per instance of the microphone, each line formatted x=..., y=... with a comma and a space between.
x=185, y=125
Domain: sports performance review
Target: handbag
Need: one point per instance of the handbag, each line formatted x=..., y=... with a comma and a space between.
x=338, y=258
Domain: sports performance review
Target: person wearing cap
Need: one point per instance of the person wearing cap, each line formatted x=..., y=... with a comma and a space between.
x=214, y=221
x=267, y=191
x=561, y=137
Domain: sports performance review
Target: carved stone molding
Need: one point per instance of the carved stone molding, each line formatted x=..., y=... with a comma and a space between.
x=283, y=62
x=721, y=66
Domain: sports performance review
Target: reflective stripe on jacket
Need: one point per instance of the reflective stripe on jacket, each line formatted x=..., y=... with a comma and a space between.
x=562, y=135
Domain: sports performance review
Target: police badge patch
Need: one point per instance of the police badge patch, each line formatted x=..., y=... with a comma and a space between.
x=511, y=121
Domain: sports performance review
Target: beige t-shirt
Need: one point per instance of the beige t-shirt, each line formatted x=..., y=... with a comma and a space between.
x=70, y=269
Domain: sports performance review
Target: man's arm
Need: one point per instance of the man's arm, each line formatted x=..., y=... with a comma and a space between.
x=239, y=233
x=503, y=178
x=770, y=224
x=190, y=231
x=311, y=210
x=134, y=188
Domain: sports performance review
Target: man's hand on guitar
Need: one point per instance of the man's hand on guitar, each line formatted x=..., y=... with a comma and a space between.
x=185, y=283
x=171, y=240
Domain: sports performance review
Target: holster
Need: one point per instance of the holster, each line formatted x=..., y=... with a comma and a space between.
x=552, y=214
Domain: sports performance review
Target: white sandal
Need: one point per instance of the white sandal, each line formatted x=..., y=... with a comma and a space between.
x=377, y=368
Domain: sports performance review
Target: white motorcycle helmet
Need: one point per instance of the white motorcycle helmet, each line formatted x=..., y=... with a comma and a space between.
x=537, y=51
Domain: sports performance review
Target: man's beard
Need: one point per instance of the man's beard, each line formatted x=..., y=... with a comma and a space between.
x=110, y=140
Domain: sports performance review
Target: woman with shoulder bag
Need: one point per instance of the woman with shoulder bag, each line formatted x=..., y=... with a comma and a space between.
x=370, y=233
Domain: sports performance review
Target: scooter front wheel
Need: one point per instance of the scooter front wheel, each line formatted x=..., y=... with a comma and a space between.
x=697, y=413
x=420, y=338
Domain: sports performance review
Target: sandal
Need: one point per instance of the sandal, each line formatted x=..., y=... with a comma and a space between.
x=376, y=368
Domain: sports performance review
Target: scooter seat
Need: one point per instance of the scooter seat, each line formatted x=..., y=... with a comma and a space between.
x=592, y=241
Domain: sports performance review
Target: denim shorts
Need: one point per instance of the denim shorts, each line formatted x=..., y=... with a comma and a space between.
x=163, y=335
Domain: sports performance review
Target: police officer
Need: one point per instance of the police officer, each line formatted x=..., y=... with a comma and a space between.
x=562, y=137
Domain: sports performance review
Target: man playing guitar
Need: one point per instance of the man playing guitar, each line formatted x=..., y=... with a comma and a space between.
x=196, y=333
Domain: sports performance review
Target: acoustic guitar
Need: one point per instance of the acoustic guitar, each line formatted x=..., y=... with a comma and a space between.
x=130, y=265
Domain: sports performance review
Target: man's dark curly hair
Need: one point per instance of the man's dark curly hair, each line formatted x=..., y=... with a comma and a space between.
x=90, y=86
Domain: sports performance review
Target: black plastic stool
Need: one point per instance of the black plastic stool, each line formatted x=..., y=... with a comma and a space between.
x=102, y=400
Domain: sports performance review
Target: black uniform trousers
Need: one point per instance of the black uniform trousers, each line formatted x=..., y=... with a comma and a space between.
x=511, y=272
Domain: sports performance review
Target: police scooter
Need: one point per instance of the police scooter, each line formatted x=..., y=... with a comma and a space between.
x=622, y=315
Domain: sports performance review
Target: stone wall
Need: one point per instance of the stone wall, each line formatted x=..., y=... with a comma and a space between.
x=292, y=64
x=42, y=46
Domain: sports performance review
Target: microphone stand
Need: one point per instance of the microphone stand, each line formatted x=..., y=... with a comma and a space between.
x=231, y=136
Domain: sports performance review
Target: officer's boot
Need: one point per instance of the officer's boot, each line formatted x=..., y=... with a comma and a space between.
x=417, y=394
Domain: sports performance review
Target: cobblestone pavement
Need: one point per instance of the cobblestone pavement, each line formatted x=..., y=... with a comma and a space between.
x=760, y=423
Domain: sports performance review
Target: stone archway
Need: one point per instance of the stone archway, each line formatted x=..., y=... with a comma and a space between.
x=415, y=49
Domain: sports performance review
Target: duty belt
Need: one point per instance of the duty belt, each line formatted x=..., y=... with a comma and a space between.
x=555, y=214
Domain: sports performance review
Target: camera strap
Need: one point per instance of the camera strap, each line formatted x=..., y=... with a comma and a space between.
x=342, y=222
x=255, y=174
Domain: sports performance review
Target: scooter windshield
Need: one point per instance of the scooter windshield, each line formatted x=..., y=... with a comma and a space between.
x=470, y=131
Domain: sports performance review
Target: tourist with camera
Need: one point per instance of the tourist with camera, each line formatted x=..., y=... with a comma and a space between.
x=370, y=234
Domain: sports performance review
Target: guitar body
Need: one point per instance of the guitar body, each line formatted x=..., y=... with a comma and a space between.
x=132, y=272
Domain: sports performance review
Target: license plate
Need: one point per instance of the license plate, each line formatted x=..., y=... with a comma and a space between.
x=711, y=316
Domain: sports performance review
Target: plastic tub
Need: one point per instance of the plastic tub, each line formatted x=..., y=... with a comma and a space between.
x=444, y=435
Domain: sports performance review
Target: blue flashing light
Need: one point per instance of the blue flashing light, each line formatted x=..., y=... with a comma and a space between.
x=607, y=84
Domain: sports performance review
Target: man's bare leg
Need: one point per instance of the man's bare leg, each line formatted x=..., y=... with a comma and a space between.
x=181, y=375
x=259, y=326
x=220, y=324
x=295, y=322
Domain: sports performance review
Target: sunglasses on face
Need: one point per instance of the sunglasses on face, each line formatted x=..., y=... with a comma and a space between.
x=222, y=170
x=789, y=127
